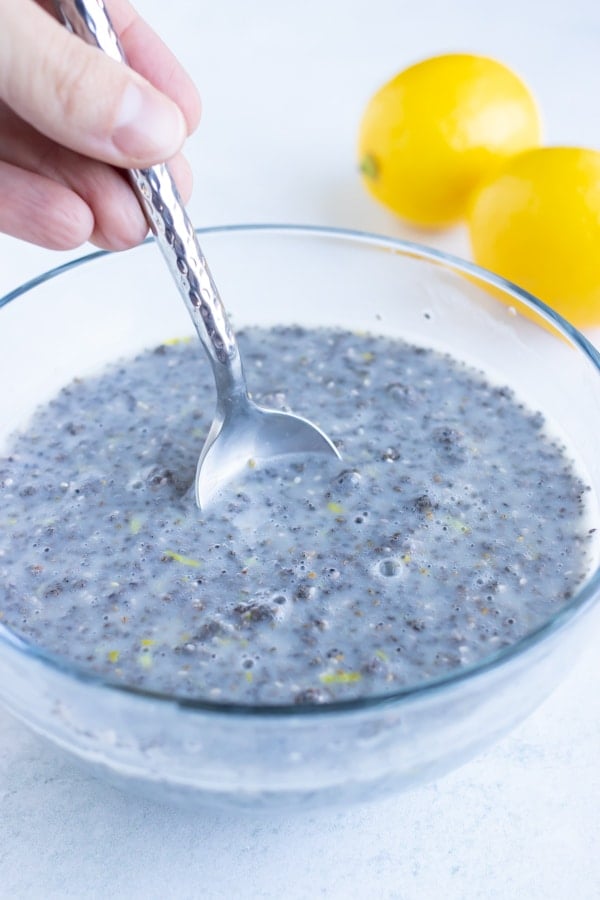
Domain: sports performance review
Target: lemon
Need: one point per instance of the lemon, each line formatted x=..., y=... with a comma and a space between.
x=440, y=127
x=537, y=223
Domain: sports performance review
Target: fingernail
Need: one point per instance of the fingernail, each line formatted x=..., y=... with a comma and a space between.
x=149, y=127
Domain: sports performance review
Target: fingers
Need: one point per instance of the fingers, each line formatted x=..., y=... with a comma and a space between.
x=149, y=56
x=114, y=220
x=119, y=221
x=80, y=98
x=41, y=211
x=83, y=107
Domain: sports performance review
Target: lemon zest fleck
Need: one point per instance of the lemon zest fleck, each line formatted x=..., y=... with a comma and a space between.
x=184, y=560
x=340, y=677
x=457, y=524
x=135, y=525
x=172, y=342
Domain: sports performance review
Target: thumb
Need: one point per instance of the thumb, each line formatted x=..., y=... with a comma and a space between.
x=78, y=96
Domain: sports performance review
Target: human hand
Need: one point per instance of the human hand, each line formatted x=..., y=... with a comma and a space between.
x=69, y=114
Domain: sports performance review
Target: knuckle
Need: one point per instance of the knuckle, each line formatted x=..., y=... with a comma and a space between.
x=87, y=85
x=71, y=79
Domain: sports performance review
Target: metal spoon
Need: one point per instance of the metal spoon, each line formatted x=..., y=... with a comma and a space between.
x=241, y=430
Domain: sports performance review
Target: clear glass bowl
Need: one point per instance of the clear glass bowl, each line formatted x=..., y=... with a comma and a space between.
x=74, y=318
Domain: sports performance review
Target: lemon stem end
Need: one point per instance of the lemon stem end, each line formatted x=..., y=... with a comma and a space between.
x=368, y=166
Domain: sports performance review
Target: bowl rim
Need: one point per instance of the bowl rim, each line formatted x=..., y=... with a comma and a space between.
x=583, y=598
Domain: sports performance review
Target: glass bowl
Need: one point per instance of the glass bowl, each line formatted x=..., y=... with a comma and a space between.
x=73, y=319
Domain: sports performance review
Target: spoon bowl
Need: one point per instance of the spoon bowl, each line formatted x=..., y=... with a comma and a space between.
x=244, y=434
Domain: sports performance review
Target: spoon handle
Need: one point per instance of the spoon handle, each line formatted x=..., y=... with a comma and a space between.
x=160, y=201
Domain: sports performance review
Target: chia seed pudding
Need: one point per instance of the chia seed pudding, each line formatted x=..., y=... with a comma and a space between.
x=454, y=525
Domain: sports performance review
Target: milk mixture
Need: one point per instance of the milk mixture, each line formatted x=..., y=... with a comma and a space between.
x=453, y=525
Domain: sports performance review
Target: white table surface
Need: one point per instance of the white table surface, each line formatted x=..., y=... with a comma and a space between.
x=284, y=85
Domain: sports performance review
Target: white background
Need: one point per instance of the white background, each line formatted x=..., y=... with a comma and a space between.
x=284, y=85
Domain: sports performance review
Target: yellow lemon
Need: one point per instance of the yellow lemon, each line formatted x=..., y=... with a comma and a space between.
x=537, y=223
x=440, y=127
